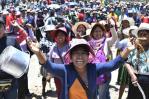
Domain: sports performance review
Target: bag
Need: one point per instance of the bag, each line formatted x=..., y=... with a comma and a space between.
x=5, y=85
x=83, y=85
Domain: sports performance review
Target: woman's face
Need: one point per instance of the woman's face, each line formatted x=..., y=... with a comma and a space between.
x=125, y=24
x=81, y=29
x=142, y=34
x=97, y=33
x=80, y=57
x=2, y=30
x=61, y=37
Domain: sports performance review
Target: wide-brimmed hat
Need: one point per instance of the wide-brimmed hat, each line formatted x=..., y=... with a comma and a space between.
x=130, y=20
x=63, y=29
x=74, y=28
x=103, y=22
x=18, y=13
x=133, y=28
x=5, y=12
x=75, y=42
x=143, y=26
x=88, y=31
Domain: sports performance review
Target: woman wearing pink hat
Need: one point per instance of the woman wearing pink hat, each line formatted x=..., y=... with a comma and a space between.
x=79, y=76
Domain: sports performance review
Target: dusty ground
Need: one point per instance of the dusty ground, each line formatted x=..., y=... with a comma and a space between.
x=35, y=83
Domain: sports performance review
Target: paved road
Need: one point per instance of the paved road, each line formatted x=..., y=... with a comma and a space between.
x=35, y=83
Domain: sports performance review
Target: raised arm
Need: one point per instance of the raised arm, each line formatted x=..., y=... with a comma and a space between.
x=55, y=69
x=113, y=64
x=109, y=66
x=22, y=33
x=114, y=37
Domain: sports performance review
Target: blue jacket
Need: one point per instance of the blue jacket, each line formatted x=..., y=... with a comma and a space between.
x=67, y=74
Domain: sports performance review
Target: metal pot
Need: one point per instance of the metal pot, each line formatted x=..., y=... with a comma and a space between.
x=14, y=61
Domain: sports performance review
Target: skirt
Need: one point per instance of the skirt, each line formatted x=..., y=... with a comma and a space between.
x=123, y=76
x=134, y=92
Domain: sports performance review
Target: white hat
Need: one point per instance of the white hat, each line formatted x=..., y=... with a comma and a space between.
x=143, y=26
x=5, y=12
x=133, y=28
x=129, y=19
x=103, y=22
x=49, y=28
x=88, y=31
x=18, y=13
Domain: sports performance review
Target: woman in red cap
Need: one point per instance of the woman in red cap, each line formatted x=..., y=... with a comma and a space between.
x=57, y=52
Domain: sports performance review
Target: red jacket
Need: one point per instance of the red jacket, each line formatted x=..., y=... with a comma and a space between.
x=9, y=19
x=21, y=36
x=145, y=19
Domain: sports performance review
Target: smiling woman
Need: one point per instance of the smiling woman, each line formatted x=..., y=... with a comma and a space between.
x=58, y=50
x=79, y=76
x=80, y=56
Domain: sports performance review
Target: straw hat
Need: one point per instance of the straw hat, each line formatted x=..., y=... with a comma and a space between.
x=76, y=43
x=74, y=28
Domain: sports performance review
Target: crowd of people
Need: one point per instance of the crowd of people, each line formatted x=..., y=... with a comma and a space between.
x=73, y=45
